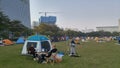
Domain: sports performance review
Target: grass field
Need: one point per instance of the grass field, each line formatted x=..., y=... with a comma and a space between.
x=93, y=55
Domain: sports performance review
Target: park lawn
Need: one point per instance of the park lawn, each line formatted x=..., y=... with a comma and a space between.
x=93, y=55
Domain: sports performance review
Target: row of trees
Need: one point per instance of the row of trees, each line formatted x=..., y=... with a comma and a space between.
x=54, y=30
x=14, y=28
x=11, y=29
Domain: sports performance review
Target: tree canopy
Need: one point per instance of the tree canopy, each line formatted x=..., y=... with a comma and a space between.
x=11, y=27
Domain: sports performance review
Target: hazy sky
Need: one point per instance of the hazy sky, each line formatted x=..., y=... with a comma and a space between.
x=79, y=14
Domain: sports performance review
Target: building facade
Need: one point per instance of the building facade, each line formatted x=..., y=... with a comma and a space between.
x=108, y=28
x=87, y=30
x=17, y=10
x=119, y=25
x=48, y=20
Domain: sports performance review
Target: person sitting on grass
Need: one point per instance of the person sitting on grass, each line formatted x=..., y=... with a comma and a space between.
x=52, y=54
x=32, y=51
x=42, y=57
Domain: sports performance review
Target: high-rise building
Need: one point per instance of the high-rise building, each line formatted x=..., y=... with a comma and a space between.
x=48, y=19
x=17, y=10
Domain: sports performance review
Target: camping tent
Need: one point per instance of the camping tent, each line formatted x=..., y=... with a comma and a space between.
x=20, y=40
x=7, y=42
x=40, y=43
x=1, y=42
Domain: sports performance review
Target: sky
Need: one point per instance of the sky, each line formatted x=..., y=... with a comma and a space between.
x=80, y=14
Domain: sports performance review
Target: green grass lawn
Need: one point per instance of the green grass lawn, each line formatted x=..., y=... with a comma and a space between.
x=93, y=55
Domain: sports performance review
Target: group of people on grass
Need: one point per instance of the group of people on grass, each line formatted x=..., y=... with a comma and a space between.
x=51, y=56
x=45, y=57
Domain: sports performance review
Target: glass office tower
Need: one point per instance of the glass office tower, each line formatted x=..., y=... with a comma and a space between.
x=17, y=10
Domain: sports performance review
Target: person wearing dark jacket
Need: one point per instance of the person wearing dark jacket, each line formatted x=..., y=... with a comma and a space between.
x=72, y=48
x=31, y=50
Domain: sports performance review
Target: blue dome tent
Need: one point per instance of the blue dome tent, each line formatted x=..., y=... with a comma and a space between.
x=37, y=38
x=20, y=40
x=40, y=43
